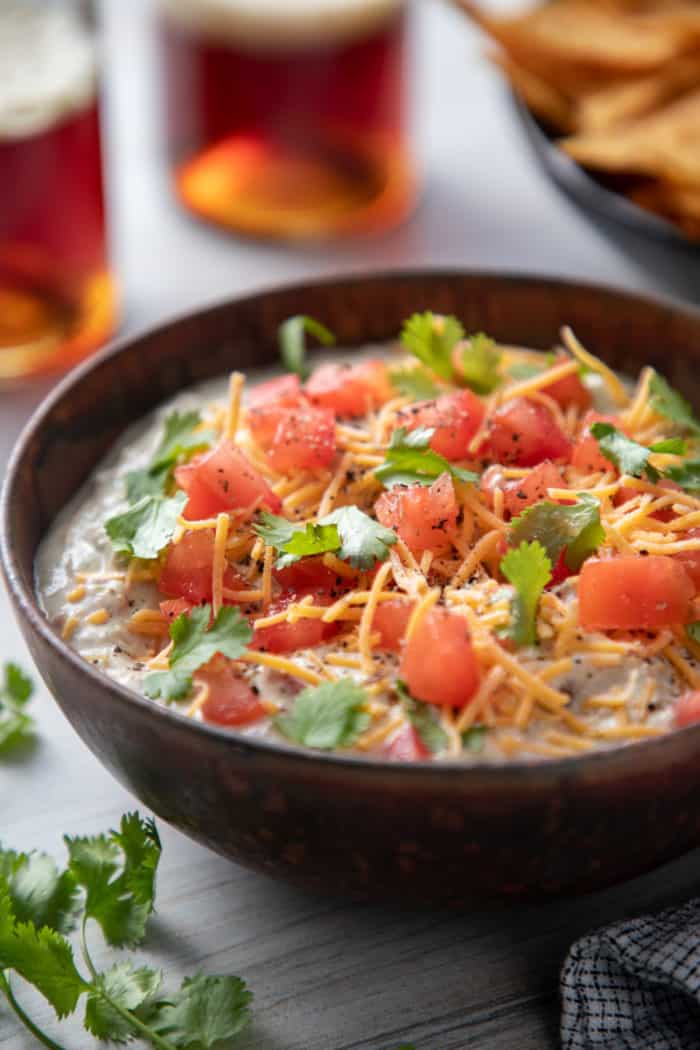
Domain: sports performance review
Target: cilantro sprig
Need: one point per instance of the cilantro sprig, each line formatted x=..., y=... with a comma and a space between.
x=291, y=337
x=422, y=718
x=326, y=716
x=479, y=363
x=668, y=403
x=629, y=456
x=348, y=533
x=410, y=459
x=194, y=644
x=16, y=725
x=110, y=880
x=181, y=439
x=575, y=527
x=147, y=527
x=432, y=338
x=416, y=383
x=529, y=570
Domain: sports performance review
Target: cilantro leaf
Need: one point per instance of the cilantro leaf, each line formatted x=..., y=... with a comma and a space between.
x=422, y=718
x=326, y=716
x=130, y=989
x=575, y=527
x=147, y=527
x=38, y=892
x=16, y=726
x=410, y=460
x=474, y=738
x=687, y=475
x=348, y=531
x=181, y=439
x=194, y=645
x=431, y=338
x=693, y=630
x=290, y=335
x=43, y=957
x=416, y=383
x=529, y=570
x=629, y=456
x=118, y=874
x=205, y=1013
x=296, y=541
x=668, y=403
x=480, y=361
x=362, y=539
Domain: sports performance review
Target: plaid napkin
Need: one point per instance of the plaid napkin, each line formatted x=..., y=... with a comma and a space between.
x=635, y=985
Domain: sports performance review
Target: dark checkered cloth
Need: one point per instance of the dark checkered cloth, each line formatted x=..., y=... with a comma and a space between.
x=635, y=985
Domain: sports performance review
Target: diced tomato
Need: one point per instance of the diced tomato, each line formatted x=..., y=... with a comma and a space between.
x=690, y=560
x=185, y=472
x=424, y=518
x=633, y=593
x=454, y=417
x=285, y=390
x=231, y=701
x=570, y=390
x=233, y=479
x=560, y=572
x=201, y=502
x=188, y=566
x=405, y=746
x=391, y=620
x=311, y=576
x=438, y=663
x=304, y=633
x=174, y=607
x=687, y=710
x=522, y=492
x=525, y=433
x=350, y=389
x=304, y=439
x=586, y=455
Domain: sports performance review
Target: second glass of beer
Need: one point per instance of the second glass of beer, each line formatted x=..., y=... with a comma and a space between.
x=287, y=118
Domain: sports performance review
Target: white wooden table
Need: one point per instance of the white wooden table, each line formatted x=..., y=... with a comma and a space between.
x=327, y=975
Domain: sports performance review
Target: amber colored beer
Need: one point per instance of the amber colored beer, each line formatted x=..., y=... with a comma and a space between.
x=287, y=119
x=57, y=298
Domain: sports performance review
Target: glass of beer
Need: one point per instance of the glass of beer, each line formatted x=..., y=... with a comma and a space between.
x=57, y=297
x=287, y=118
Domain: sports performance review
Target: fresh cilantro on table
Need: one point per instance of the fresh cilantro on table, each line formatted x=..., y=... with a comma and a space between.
x=111, y=880
x=432, y=338
x=528, y=569
x=629, y=456
x=16, y=726
x=347, y=532
x=194, y=644
x=668, y=403
x=409, y=459
x=422, y=718
x=290, y=335
x=416, y=383
x=693, y=630
x=474, y=738
x=147, y=527
x=479, y=363
x=556, y=526
x=181, y=439
x=326, y=716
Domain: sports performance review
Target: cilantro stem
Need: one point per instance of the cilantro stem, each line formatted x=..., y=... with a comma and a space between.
x=98, y=988
x=40, y=1036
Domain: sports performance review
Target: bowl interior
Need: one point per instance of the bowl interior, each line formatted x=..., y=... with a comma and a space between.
x=74, y=428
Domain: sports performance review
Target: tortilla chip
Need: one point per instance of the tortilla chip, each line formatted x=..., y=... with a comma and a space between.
x=665, y=144
x=545, y=101
x=626, y=100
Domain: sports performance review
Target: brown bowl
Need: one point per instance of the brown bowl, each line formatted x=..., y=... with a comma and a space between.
x=441, y=833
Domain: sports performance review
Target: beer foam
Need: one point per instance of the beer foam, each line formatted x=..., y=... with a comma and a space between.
x=47, y=64
x=272, y=24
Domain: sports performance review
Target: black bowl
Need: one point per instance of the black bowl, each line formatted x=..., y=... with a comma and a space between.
x=440, y=833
